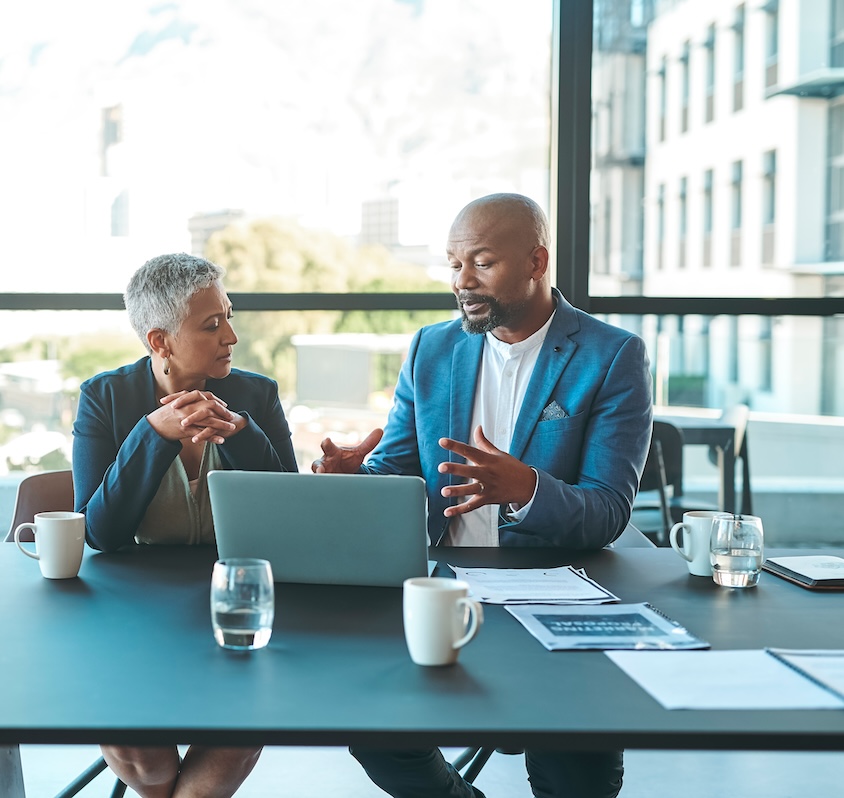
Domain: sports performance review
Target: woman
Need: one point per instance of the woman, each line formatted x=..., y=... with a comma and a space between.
x=145, y=437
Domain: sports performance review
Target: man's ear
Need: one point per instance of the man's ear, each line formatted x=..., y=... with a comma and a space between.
x=157, y=340
x=539, y=262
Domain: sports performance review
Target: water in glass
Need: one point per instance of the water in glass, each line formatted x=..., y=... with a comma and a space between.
x=241, y=626
x=736, y=567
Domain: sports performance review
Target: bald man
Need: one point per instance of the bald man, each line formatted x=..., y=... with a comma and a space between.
x=530, y=422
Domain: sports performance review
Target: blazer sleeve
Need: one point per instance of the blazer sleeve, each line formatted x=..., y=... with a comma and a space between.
x=264, y=444
x=594, y=509
x=116, y=475
x=398, y=450
x=114, y=481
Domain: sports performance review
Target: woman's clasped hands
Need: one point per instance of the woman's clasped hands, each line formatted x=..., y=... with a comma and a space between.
x=198, y=415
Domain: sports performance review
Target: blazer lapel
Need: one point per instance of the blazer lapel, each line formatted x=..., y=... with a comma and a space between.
x=556, y=352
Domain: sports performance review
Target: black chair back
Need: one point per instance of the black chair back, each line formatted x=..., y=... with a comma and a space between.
x=663, y=471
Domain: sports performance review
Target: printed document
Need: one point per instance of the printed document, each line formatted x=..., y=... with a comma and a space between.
x=637, y=626
x=563, y=585
x=758, y=679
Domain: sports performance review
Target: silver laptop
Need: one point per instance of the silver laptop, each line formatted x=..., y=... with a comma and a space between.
x=343, y=529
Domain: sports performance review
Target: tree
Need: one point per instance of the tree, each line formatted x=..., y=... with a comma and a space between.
x=280, y=256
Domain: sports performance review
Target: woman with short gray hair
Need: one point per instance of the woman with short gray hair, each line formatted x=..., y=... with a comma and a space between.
x=145, y=437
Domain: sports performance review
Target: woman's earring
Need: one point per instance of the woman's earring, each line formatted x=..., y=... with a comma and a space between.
x=166, y=366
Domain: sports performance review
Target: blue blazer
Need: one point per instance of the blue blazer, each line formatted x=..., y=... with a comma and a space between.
x=119, y=459
x=589, y=460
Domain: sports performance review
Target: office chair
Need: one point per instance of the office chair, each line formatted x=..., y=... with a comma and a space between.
x=52, y=491
x=49, y=491
x=737, y=416
x=663, y=475
x=473, y=759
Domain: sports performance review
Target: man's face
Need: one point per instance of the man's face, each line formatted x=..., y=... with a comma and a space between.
x=491, y=266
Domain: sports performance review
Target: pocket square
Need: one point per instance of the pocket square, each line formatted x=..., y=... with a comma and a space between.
x=552, y=410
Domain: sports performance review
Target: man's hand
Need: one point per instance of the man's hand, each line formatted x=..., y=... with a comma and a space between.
x=198, y=415
x=492, y=476
x=345, y=459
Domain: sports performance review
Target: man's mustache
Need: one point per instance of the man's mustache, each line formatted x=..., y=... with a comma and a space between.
x=466, y=298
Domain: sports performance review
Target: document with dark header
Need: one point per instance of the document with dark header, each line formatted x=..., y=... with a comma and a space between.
x=617, y=626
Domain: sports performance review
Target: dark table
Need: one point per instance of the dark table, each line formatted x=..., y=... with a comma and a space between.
x=700, y=430
x=125, y=654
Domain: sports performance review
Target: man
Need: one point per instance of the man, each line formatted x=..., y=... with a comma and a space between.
x=557, y=406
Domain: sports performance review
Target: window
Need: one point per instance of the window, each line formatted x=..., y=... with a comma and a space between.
x=738, y=59
x=769, y=205
x=682, y=224
x=663, y=96
x=736, y=213
x=837, y=55
x=368, y=128
x=772, y=45
x=317, y=151
x=386, y=120
x=684, y=100
x=709, y=89
x=660, y=228
x=835, y=218
x=707, y=218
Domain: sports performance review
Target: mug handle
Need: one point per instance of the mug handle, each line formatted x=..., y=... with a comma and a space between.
x=476, y=618
x=672, y=539
x=18, y=540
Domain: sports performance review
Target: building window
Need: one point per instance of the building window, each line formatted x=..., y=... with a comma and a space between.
x=684, y=104
x=769, y=204
x=738, y=59
x=772, y=44
x=837, y=54
x=682, y=224
x=120, y=215
x=707, y=218
x=111, y=135
x=660, y=227
x=663, y=96
x=709, y=45
x=736, y=211
x=835, y=219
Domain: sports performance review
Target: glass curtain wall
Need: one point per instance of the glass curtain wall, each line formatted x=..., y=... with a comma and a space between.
x=320, y=151
x=317, y=151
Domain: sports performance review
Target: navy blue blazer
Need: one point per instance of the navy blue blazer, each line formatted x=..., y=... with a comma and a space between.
x=589, y=448
x=119, y=459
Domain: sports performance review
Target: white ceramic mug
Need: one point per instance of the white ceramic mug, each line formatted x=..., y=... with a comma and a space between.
x=59, y=543
x=696, y=527
x=438, y=619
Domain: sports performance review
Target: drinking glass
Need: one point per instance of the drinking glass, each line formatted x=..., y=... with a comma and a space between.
x=736, y=550
x=242, y=603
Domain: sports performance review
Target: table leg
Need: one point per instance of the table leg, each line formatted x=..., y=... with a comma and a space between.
x=11, y=773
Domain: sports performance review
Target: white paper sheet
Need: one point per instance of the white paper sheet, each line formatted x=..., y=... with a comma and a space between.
x=563, y=585
x=722, y=680
x=826, y=666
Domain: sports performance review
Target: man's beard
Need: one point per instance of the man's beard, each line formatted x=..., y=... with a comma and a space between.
x=498, y=314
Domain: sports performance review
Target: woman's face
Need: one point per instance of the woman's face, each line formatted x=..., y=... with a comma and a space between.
x=203, y=346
